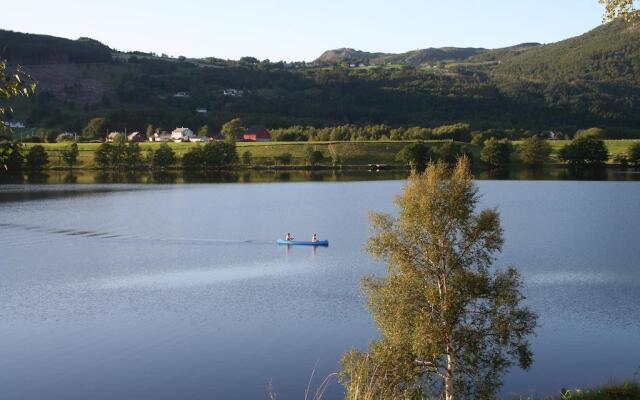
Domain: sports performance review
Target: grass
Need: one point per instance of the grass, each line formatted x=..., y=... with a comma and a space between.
x=349, y=153
x=613, y=391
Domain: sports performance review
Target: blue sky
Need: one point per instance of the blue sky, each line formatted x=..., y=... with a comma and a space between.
x=299, y=29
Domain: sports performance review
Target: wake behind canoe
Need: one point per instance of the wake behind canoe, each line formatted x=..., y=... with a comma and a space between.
x=303, y=243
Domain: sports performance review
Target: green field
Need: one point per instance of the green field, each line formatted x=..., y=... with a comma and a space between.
x=262, y=153
x=619, y=146
x=349, y=153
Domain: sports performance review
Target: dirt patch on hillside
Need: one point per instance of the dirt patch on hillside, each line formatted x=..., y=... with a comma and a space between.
x=70, y=82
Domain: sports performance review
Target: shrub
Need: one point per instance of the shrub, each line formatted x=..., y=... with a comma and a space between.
x=164, y=157
x=246, y=157
x=633, y=154
x=415, y=155
x=534, y=151
x=496, y=153
x=102, y=156
x=284, y=159
x=584, y=151
x=37, y=158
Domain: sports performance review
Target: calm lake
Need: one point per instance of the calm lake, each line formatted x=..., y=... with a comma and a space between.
x=147, y=291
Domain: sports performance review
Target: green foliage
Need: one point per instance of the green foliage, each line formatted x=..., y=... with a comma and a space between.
x=613, y=391
x=102, y=156
x=284, y=158
x=11, y=159
x=496, y=153
x=246, y=157
x=633, y=154
x=450, y=323
x=415, y=155
x=313, y=156
x=458, y=132
x=164, y=157
x=70, y=155
x=203, y=131
x=597, y=133
x=232, y=129
x=150, y=130
x=37, y=158
x=193, y=160
x=534, y=151
x=584, y=151
x=211, y=155
x=133, y=156
x=27, y=48
x=625, y=9
x=450, y=152
x=13, y=83
x=95, y=128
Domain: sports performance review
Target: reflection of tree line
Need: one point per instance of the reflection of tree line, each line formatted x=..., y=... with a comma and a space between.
x=169, y=177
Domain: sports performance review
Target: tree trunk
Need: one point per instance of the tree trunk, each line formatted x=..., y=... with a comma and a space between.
x=449, y=393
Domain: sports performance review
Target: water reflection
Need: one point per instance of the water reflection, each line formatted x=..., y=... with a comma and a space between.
x=171, y=177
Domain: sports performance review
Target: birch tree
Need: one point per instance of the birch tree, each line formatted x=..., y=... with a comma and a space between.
x=451, y=324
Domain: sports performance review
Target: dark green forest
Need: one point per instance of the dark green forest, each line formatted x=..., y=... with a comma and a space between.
x=591, y=80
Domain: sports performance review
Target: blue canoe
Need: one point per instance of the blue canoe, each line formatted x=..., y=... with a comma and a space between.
x=303, y=243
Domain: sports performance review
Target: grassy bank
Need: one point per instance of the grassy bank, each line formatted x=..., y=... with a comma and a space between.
x=348, y=153
x=262, y=153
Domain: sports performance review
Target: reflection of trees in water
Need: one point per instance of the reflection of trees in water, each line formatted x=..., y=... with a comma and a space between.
x=70, y=178
x=315, y=176
x=211, y=177
x=584, y=174
x=283, y=177
x=162, y=177
x=37, y=177
x=7, y=178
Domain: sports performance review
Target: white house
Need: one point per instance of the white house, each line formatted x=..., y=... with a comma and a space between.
x=182, y=95
x=182, y=135
x=160, y=137
x=15, y=125
x=202, y=110
x=233, y=92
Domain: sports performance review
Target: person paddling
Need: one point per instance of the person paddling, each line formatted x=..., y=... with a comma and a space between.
x=314, y=237
x=288, y=237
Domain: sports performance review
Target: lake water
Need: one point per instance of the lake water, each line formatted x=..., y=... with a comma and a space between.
x=179, y=291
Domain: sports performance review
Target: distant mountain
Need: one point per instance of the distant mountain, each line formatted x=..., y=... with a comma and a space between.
x=344, y=55
x=422, y=56
x=30, y=49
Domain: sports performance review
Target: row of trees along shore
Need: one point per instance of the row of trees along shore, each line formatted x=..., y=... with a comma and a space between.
x=584, y=151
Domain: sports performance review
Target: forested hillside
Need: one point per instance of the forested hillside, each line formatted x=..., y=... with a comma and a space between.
x=28, y=49
x=591, y=80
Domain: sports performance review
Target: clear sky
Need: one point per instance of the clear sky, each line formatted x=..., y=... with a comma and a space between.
x=302, y=29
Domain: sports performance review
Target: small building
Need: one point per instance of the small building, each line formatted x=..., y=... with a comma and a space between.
x=111, y=137
x=182, y=95
x=233, y=92
x=160, y=136
x=199, y=139
x=182, y=134
x=14, y=124
x=202, y=110
x=256, y=134
x=136, y=137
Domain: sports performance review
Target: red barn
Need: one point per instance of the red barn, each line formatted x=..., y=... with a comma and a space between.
x=256, y=134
